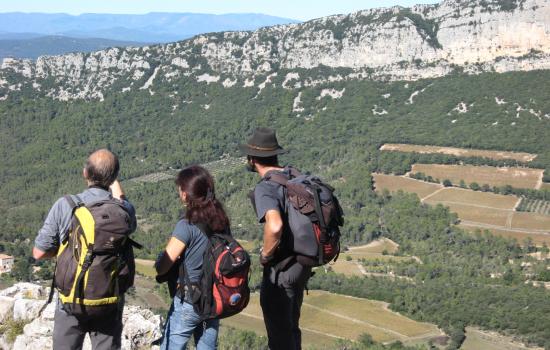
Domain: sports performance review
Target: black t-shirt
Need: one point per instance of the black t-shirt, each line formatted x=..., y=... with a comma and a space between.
x=269, y=195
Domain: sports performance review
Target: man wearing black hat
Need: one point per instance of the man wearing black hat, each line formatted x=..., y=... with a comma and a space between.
x=284, y=279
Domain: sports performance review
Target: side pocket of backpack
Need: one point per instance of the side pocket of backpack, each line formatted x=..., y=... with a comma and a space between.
x=66, y=270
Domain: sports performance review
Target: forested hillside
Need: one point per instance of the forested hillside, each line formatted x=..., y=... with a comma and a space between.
x=45, y=142
x=333, y=120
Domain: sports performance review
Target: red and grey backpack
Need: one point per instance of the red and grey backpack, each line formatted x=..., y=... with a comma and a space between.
x=314, y=217
x=222, y=290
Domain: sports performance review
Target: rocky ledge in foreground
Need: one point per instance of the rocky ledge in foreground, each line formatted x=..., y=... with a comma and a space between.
x=22, y=302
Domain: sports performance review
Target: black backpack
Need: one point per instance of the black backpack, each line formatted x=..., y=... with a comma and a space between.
x=314, y=217
x=222, y=290
x=95, y=262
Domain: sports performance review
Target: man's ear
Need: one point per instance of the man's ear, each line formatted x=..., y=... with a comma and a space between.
x=85, y=173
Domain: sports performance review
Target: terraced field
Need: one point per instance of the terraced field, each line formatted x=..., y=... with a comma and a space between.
x=380, y=250
x=215, y=167
x=519, y=235
x=492, y=176
x=531, y=221
x=374, y=247
x=534, y=206
x=326, y=317
x=459, y=152
x=453, y=195
x=395, y=183
x=477, y=340
x=476, y=210
x=487, y=216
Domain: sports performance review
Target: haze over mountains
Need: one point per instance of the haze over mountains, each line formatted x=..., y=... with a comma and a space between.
x=37, y=46
x=29, y=35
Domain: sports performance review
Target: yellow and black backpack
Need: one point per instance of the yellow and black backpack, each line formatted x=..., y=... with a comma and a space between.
x=95, y=262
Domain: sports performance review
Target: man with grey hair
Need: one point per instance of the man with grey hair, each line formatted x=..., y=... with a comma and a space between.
x=100, y=173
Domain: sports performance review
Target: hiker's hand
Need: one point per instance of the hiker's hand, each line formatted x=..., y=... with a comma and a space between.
x=265, y=260
x=116, y=190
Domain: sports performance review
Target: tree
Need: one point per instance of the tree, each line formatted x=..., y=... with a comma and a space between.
x=529, y=245
x=447, y=183
x=22, y=270
x=474, y=186
x=506, y=189
x=366, y=339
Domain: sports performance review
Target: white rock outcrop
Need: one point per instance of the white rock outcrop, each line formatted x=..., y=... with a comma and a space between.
x=24, y=300
x=424, y=41
x=6, y=308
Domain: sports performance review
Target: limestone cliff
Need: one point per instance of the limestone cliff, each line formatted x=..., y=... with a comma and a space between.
x=390, y=43
x=23, y=301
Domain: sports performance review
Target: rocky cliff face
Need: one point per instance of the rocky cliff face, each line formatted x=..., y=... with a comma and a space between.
x=394, y=43
x=23, y=301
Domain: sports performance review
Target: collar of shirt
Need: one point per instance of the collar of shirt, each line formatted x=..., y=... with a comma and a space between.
x=93, y=194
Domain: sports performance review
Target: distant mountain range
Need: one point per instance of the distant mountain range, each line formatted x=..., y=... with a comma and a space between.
x=151, y=27
x=55, y=45
x=29, y=35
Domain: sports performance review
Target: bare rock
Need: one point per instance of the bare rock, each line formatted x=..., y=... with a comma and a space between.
x=6, y=308
x=141, y=326
x=25, y=290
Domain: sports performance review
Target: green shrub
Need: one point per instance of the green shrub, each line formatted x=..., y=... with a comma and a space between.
x=12, y=328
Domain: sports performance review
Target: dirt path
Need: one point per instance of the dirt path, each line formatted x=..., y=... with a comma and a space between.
x=517, y=204
x=509, y=219
x=538, y=186
x=496, y=227
x=438, y=333
x=473, y=205
x=432, y=194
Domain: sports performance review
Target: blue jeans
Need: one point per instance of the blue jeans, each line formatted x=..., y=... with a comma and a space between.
x=182, y=322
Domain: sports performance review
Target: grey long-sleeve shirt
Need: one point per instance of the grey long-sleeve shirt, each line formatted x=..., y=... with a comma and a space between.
x=58, y=221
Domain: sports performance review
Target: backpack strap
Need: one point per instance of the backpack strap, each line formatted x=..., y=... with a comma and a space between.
x=134, y=244
x=74, y=205
x=322, y=224
x=278, y=178
x=185, y=281
x=282, y=179
x=293, y=172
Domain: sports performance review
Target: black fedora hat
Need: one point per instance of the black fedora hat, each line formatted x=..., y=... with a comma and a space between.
x=263, y=143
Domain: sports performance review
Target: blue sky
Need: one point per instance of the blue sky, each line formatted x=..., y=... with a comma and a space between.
x=297, y=9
